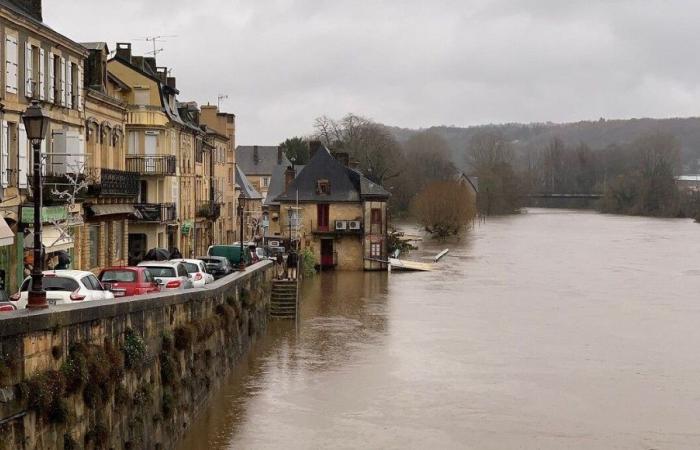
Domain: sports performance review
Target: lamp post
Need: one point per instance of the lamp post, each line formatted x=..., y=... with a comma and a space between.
x=36, y=124
x=241, y=212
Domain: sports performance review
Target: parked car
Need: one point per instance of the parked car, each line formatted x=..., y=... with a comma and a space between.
x=128, y=281
x=218, y=266
x=197, y=270
x=170, y=276
x=231, y=252
x=65, y=287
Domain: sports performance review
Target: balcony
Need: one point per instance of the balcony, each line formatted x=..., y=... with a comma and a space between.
x=209, y=211
x=152, y=165
x=117, y=183
x=155, y=212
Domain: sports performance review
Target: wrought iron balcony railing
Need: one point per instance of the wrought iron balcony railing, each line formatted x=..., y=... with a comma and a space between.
x=152, y=164
x=120, y=183
x=155, y=212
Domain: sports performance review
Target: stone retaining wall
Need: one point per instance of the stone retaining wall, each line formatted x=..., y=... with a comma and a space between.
x=124, y=374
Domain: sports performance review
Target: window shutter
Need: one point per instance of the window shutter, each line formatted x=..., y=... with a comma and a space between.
x=4, y=154
x=62, y=93
x=42, y=77
x=28, y=72
x=69, y=85
x=80, y=88
x=11, y=58
x=43, y=152
x=23, y=168
x=57, y=160
x=52, y=77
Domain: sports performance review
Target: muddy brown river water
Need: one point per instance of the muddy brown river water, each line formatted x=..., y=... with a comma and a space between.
x=552, y=329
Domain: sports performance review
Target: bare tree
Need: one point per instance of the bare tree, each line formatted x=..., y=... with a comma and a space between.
x=444, y=208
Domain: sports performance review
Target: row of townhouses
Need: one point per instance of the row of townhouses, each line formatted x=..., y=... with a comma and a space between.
x=128, y=166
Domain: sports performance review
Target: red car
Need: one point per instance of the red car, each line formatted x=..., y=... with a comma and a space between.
x=128, y=281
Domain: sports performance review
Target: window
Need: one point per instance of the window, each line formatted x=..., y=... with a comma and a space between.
x=167, y=272
x=375, y=250
x=92, y=283
x=54, y=284
x=181, y=271
x=376, y=216
x=133, y=148
x=116, y=276
x=265, y=181
x=142, y=97
x=93, y=243
x=191, y=267
x=75, y=87
x=323, y=187
x=323, y=213
x=11, y=64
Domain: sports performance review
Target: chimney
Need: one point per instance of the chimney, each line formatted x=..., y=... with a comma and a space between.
x=289, y=176
x=31, y=6
x=343, y=157
x=256, y=155
x=171, y=82
x=280, y=153
x=162, y=74
x=314, y=146
x=124, y=51
x=150, y=63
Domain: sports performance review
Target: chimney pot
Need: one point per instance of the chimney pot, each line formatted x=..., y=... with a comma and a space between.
x=314, y=146
x=124, y=51
x=280, y=152
x=171, y=82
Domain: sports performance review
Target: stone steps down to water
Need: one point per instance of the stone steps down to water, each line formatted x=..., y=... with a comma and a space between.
x=283, y=301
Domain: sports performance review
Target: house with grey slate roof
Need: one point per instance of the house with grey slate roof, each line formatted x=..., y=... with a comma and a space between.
x=251, y=201
x=258, y=162
x=336, y=212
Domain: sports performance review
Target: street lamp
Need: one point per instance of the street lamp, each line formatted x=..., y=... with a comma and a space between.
x=36, y=124
x=241, y=210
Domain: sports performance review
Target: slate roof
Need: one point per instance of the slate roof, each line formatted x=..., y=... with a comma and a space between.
x=267, y=159
x=247, y=189
x=276, y=186
x=346, y=185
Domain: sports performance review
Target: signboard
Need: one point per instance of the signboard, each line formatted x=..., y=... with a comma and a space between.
x=48, y=214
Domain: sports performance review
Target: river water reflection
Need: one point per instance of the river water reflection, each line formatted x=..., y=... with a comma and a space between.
x=552, y=329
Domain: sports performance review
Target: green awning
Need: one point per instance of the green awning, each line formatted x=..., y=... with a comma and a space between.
x=48, y=214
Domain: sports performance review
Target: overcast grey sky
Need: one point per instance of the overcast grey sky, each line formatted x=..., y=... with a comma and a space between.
x=412, y=63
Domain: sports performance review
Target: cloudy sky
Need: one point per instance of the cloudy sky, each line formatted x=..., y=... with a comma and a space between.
x=411, y=63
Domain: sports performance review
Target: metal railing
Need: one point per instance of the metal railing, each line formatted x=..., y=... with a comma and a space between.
x=155, y=212
x=118, y=182
x=152, y=164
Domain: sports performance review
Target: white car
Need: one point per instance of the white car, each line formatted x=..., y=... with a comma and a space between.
x=65, y=287
x=197, y=270
x=170, y=275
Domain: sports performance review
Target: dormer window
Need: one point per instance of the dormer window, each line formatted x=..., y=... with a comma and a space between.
x=323, y=187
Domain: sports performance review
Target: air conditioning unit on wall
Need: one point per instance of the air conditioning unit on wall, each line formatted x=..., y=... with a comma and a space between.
x=354, y=225
x=341, y=224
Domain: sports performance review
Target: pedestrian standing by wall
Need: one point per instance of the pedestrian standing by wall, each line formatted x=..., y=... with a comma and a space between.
x=292, y=261
x=279, y=266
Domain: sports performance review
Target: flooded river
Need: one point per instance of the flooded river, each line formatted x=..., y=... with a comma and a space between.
x=552, y=329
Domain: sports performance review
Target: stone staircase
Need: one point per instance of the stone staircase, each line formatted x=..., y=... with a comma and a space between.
x=283, y=303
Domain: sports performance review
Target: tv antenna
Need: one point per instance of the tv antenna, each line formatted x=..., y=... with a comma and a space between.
x=219, y=98
x=155, y=40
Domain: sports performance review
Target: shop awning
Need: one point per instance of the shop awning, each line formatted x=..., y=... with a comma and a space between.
x=51, y=238
x=111, y=210
x=7, y=237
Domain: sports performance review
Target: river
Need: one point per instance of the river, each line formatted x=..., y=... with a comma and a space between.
x=551, y=329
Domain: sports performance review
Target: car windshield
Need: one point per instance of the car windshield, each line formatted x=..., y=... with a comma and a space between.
x=55, y=284
x=212, y=262
x=115, y=276
x=161, y=271
x=191, y=267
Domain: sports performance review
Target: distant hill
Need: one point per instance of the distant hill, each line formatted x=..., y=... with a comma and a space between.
x=596, y=134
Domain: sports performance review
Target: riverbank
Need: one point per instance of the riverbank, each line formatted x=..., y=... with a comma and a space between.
x=128, y=373
x=550, y=329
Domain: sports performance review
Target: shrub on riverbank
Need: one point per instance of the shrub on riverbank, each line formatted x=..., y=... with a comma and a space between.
x=444, y=208
x=308, y=262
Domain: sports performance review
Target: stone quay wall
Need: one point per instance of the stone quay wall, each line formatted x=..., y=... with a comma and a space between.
x=125, y=374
